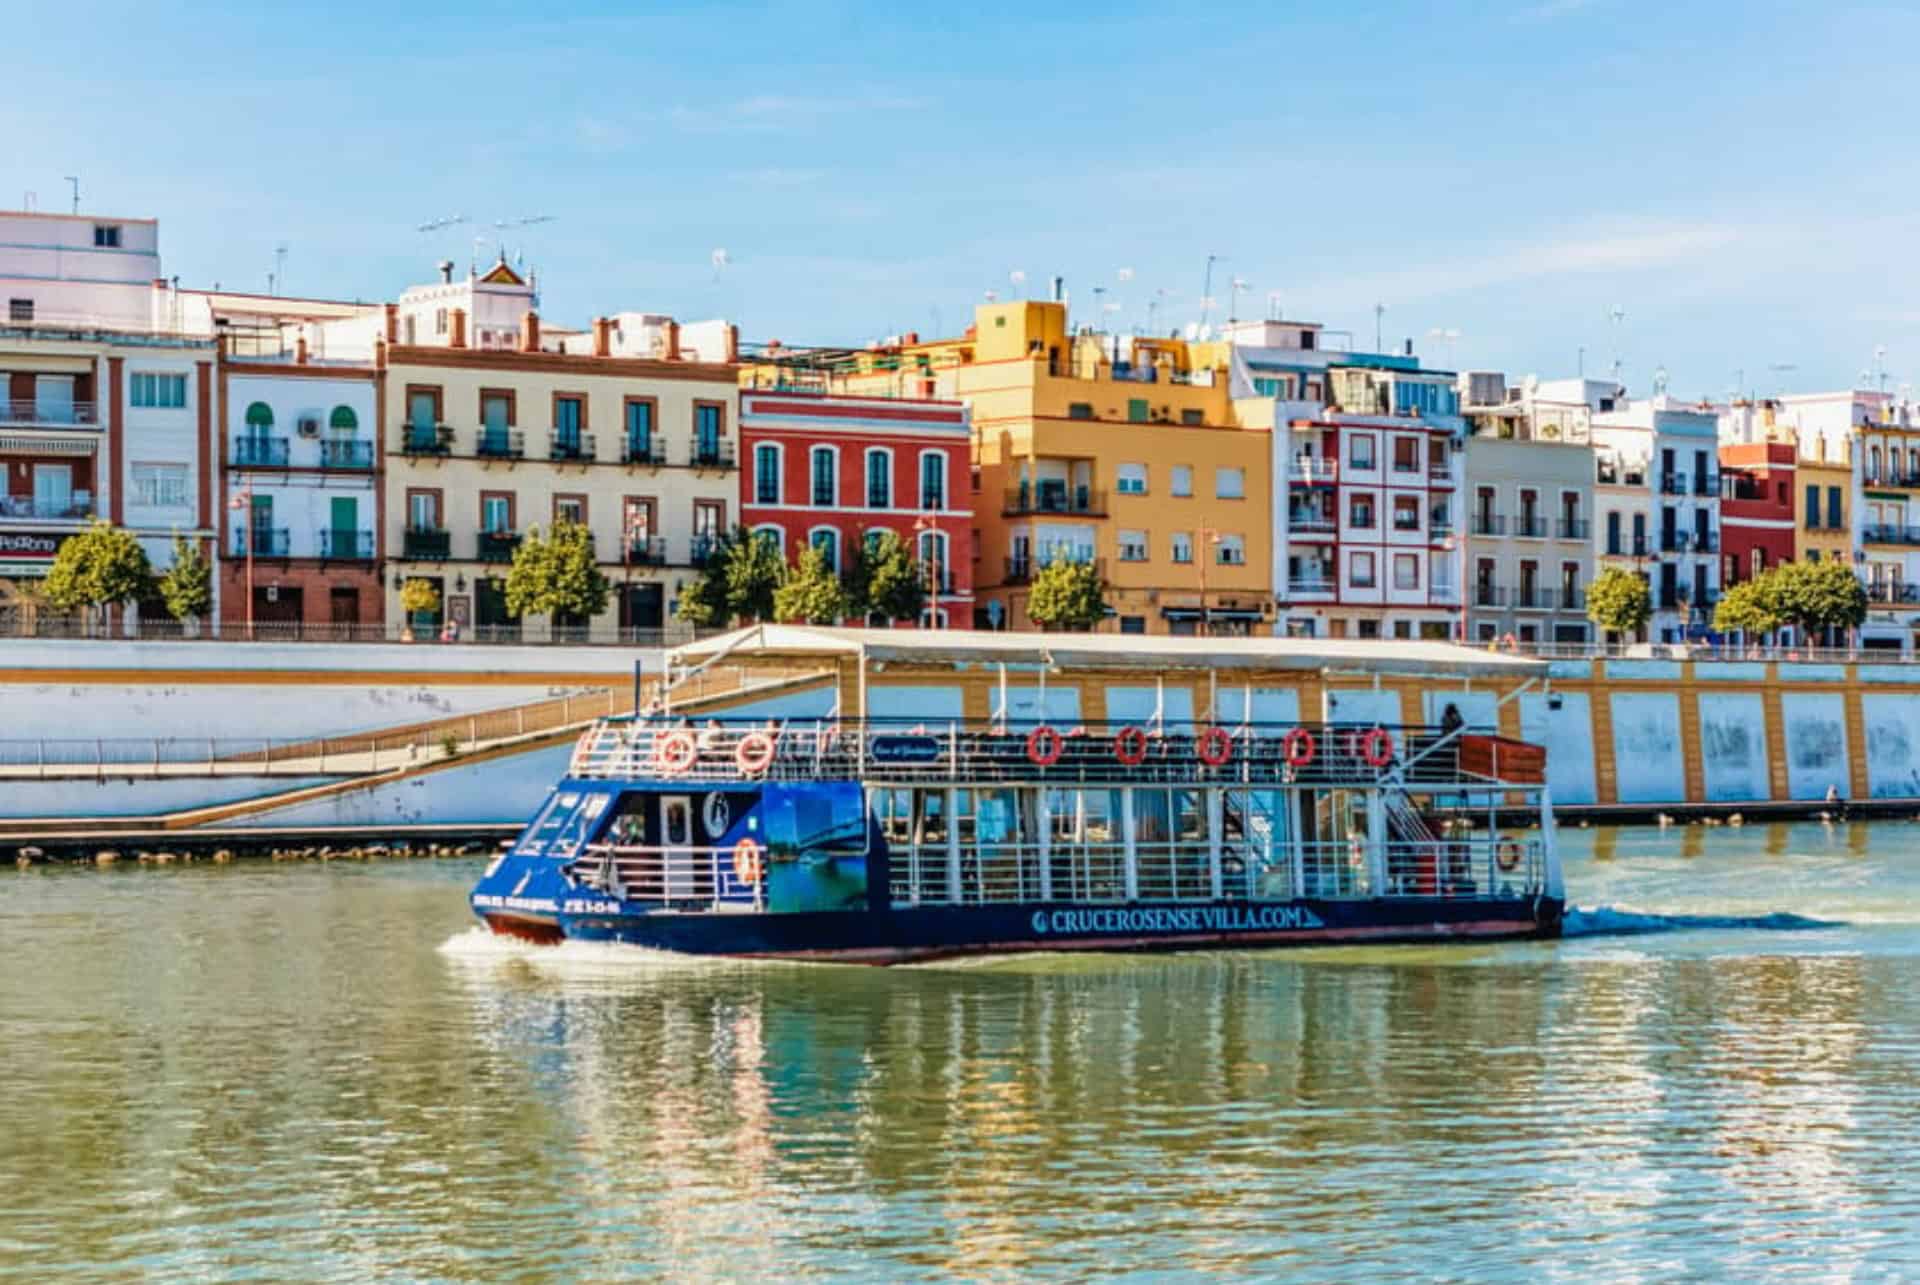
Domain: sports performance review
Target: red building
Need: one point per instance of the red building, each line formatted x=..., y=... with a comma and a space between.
x=827, y=470
x=1756, y=509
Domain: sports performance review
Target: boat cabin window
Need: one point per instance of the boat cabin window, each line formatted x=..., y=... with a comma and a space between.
x=547, y=828
x=574, y=830
x=676, y=822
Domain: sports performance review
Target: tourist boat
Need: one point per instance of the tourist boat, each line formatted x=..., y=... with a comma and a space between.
x=885, y=838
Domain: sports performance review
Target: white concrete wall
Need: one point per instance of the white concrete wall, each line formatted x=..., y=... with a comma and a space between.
x=282, y=712
x=1733, y=746
x=1893, y=745
x=124, y=798
x=1646, y=747
x=1816, y=727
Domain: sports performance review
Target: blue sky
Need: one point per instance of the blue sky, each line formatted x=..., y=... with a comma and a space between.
x=1741, y=179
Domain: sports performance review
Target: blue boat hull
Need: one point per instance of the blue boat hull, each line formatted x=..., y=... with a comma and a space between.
x=935, y=932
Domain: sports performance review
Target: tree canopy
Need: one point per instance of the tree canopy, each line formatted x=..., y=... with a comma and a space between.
x=1618, y=601
x=1817, y=596
x=738, y=582
x=885, y=580
x=557, y=575
x=187, y=588
x=1067, y=595
x=418, y=597
x=101, y=566
x=811, y=594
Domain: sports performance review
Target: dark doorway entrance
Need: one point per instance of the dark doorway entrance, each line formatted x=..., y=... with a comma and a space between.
x=645, y=607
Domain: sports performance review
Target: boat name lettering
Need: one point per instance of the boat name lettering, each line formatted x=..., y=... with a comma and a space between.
x=904, y=749
x=1177, y=919
x=587, y=906
x=492, y=901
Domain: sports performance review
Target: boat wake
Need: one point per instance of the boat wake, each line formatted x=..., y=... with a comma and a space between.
x=1610, y=921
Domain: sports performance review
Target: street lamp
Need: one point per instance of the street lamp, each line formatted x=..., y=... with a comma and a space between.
x=243, y=500
x=922, y=525
x=1208, y=539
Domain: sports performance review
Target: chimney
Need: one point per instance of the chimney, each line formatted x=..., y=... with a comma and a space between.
x=300, y=351
x=393, y=323
x=673, y=341
x=1059, y=293
x=733, y=343
x=602, y=337
x=446, y=272
x=456, y=328
x=530, y=332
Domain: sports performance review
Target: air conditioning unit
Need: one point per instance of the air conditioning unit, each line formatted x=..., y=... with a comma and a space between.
x=307, y=425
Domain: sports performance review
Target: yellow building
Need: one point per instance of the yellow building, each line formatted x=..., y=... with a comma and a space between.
x=1125, y=453
x=1828, y=533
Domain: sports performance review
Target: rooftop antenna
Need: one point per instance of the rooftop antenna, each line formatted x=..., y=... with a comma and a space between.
x=1659, y=380
x=1237, y=288
x=1100, y=299
x=436, y=225
x=500, y=227
x=1617, y=315
x=279, y=281
x=1379, y=313
x=75, y=180
x=720, y=259
x=30, y=201
x=1274, y=312
x=1880, y=365
x=1206, y=293
x=1781, y=367
x=1019, y=279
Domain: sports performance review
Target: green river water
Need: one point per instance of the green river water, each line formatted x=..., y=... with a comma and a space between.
x=294, y=1073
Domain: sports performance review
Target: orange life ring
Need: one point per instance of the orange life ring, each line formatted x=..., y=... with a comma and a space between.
x=754, y=754
x=1130, y=746
x=1297, y=747
x=747, y=866
x=1507, y=855
x=1376, y=747
x=675, y=753
x=1044, y=746
x=1214, y=747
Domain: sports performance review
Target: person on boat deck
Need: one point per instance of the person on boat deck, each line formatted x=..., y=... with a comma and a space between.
x=1450, y=719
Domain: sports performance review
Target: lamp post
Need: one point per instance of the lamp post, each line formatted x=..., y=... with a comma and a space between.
x=243, y=500
x=1208, y=538
x=921, y=526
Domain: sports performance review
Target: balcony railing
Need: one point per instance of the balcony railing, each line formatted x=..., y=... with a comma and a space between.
x=263, y=541
x=699, y=549
x=712, y=453
x=1312, y=523
x=1673, y=484
x=1574, y=528
x=648, y=552
x=1706, y=484
x=346, y=455
x=1627, y=547
x=1881, y=533
x=1022, y=570
x=1893, y=591
x=1443, y=593
x=1530, y=528
x=431, y=544
x=500, y=443
x=426, y=439
x=1607, y=474
x=498, y=546
x=337, y=545
x=1489, y=595
x=1439, y=473
x=1023, y=500
x=1438, y=530
x=1313, y=469
x=647, y=450
x=1310, y=586
x=37, y=415
x=1533, y=598
x=1689, y=542
x=570, y=446
x=259, y=452
x=1489, y=524
x=76, y=507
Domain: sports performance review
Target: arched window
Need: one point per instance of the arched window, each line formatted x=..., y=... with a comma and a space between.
x=826, y=480
x=879, y=477
x=933, y=559
x=766, y=474
x=344, y=419
x=933, y=480
x=259, y=417
x=772, y=536
x=827, y=540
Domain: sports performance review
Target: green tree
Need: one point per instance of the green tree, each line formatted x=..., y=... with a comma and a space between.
x=738, y=582
x=885, y=580
x=557, y=575
x=187, y=587
x=101, y=567
x=1067, y=595
x=1618, y=601
x=1817, y=596
x=811, y=594
x=1752, y=606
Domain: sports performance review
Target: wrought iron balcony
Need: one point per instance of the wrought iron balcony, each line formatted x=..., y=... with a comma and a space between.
x=500, y=444
x=498, y=546
x=1574, y=528
x=1673, y=484
x=649, y=450
x=431, y=544
x=338, y=545
x=712, y=452
x=1489, y=595
x=33, y=414
x=259, y=452
x=1061, y=498
x=650, y=551
x=1489, y=524
x=346, y=454
x=262, y=541
x=426, y=439
x=1530, y=527
x=571, y=446
x=1022, y=570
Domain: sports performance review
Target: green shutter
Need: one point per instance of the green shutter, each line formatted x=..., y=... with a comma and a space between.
x=343, y=417
x=259, y=415
x=1137, y=410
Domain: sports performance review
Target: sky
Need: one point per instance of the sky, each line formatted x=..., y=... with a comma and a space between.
x=1738, y=182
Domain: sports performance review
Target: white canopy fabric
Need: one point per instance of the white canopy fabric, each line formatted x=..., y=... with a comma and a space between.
x=1400, y=657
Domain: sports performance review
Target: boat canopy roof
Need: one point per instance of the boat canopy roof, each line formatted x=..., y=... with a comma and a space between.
x=1114, y=651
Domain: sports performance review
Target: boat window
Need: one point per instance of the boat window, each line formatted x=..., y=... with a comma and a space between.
x=548, y=826
x=674, y=815
x=893, y=809
x=817, y=816
x=574, y=832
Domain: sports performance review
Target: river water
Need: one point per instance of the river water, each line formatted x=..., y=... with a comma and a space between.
x=290, y=1073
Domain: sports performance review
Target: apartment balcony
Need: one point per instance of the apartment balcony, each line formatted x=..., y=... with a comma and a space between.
x=648, y=450
x=1636, y=547
x=1673, y=484
x=1438, y=531
x=1893, y=592
x=649, y=552
x=426, y=439
x=1312, y=524
x=1883, y=534
x=1530, y=528
x=261, y=541
x=77, y=507
x=699, y=549
x=1022, y=570
x=1313, y=470
x=338, y=545
x=712, y=453
x=27, y=413
x=428, y=544
x=1489, y=524
x=500, y=444
x=1489, y=595
x=1444, y=593
x=498, y=546
x=1900, y=481
x=1689, y=542
x=1024, y=500
x=1574, y=528
x=1320, y=586
x=1707, y=484
x=1608, y=474
x=1532, y=598
x=357, y=456
x=259, y=452
x=1439, y=474
x=570, y=447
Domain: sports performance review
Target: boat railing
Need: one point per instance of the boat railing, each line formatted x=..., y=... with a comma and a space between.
x=901, y=752
x=693, y=878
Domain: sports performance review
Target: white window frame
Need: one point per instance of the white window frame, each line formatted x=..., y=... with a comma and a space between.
x=779, y=472
x=866, y=477
x=1354, y=561
x=1239, y=475
x=1373, y=451
x=1143, y=544
x=1122, y=477
x=1175, y=547
x=814, y=453
x=1180, y=481
x=778, y=532
x=152, y=496
x=838, y=560
x=1406, y=560
x=946, y=481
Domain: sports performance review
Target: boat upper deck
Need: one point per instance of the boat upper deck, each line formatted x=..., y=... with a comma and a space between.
x=882, y=751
